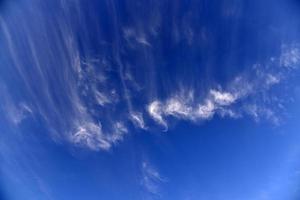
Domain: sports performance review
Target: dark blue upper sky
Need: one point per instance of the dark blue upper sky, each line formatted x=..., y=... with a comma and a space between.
x=138, y=100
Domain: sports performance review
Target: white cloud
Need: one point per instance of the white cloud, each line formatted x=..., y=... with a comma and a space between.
x=119, y=131
x=138, y=120
x=155, y=110
x=151, y=179
x=66, y=94
x=187, y=108
x=222, y=98
x=249, y=88
x=14, y=112
x=205, y=111
x=101, y=98
x=177, y=107
x=19, y=113
x=272, y=79
x=132, y=36
x=290, y=56
x=259, y=112
x=91, y=135
x=142, y=40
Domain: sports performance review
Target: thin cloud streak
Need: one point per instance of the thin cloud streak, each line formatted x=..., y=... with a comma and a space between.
x=151, y=179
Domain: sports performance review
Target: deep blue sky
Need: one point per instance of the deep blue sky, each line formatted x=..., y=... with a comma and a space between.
x=142, y=100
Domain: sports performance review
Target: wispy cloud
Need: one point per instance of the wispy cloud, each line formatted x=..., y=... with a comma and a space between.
x=234, y=101
x=15, y=112
x=138, y=120
x=91, y=135
x=89, y=95
x=151, y=179
x=134, y=37
x=156, y=110
x=290, y=56
x=222, y=98
x=188, y=108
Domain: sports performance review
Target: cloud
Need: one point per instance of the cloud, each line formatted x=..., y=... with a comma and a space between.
x=290, y=56
x=258, y=112
x=87, y=89
x=134, y=37
x=188, y=108
x=119, y=130
x=222, y=98
x=137, y=119
x=75, y=91
x=206, y=110
x=15, y=112
x=91, y=135
x=156, y=109
x=151, y=179
x=247, y=94
x=101, y=98
x=272, y=79
x=177, y=107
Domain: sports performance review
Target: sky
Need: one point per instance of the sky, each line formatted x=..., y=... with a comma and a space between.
x=149, y=100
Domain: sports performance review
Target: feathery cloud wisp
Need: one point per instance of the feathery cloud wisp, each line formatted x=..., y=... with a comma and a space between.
x=151, y=179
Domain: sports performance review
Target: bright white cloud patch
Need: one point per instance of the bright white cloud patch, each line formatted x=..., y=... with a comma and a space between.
x=155, y=110
x=187, y=108
x=177, y=107
x=222, y=98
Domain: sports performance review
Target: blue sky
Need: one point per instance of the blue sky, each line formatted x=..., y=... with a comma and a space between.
x=113, y=99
